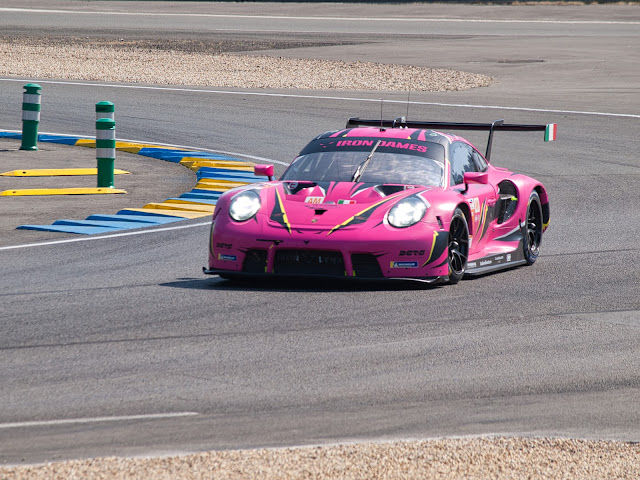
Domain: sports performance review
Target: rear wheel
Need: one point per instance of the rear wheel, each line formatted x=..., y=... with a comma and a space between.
x=533, y=229
x=458, y=246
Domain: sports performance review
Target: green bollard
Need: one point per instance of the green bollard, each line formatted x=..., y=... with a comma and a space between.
x=105, y=151
x=105, y=110
x=30, y=116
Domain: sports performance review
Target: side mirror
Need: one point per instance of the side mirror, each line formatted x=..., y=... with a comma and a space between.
x=481, y=178
x=264, y=171
x=476, y=177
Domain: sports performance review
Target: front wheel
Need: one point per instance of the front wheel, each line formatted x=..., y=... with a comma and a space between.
x=458, y=246
x=533, y=229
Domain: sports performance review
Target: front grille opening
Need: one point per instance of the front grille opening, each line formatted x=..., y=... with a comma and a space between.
x=366, y=265
x=255, y=261
x=309, y=262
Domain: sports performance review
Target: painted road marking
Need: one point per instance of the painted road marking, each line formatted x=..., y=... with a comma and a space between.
x=62, y=191
x=332, y=19
x=321, y=97
x=112, y=235
x=75, y=421
x=57, y=172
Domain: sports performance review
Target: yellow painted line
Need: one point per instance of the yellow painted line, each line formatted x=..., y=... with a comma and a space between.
x=181, y=206
x=128, y=147
x=215, y=187
x=219, y=181
x=181, y=201
x=211, y=188
x=57, y=172
x=226, y=182
x=195, y=164
x=124, y=146
x=230, y=163
x=171, y=212
x=131, y=147
x=61, y=191
x=86, y=142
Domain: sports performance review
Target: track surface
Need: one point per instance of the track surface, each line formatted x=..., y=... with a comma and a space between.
x=128, y=326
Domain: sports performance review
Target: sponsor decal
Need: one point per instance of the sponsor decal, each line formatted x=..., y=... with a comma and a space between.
x=227, y=258
x=474, y=203
x=224, y=245
x=314, y=200
x=494, y=260
x=346, y=202
x=383, y=143
x=409, y=253
x=404, y=264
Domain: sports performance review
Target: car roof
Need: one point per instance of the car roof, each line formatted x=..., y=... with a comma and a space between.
x=395, y=133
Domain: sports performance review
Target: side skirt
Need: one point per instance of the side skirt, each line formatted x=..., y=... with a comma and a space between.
x=492, y=263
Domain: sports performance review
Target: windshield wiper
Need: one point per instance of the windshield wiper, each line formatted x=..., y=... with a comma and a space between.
x=360, y=170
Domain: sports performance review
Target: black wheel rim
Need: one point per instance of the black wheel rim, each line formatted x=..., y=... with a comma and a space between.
x=534, y=228
x=458, y=246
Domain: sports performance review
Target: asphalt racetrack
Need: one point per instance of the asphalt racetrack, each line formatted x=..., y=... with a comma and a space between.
x=121, y=346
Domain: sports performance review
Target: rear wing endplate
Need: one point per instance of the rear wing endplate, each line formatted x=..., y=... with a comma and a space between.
x=550, y=130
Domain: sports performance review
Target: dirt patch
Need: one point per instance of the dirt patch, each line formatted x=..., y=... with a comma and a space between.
x=450, y=459
x=201, y=63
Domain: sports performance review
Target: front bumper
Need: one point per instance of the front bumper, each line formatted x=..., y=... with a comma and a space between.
x=418, y=252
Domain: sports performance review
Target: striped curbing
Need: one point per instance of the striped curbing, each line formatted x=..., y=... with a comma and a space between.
x=215, y=174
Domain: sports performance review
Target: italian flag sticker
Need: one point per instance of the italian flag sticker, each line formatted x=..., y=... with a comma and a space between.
x=551, y=132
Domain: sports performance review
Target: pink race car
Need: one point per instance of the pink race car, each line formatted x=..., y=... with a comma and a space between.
x=383, y=200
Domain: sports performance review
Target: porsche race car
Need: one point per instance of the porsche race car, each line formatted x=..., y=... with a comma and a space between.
x=390, y=199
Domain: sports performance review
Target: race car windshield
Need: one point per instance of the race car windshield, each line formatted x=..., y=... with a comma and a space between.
x=393, y=162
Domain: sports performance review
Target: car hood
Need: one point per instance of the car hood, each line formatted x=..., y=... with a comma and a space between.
x=330, y=205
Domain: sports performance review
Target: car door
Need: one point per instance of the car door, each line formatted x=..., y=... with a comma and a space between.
x=480, y=197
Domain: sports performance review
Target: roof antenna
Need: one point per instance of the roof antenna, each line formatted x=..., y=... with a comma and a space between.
x=408, y=102
x=382, y=129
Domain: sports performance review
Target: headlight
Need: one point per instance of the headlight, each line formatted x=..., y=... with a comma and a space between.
x=244, y=205
x=407, y=212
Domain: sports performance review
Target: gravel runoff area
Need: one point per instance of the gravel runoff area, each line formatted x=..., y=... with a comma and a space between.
x=194, y=63
x=159, y=63
x=450, y=459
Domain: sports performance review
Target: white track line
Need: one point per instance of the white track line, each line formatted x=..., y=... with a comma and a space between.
x=75, y=421
x=102, y=237
x=322, y=97
x=333, y=19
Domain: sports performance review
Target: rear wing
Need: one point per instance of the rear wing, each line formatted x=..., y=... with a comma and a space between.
x=550, y=130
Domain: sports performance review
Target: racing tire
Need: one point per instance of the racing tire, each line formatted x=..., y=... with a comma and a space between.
x=458, y=246
x=533, y=229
